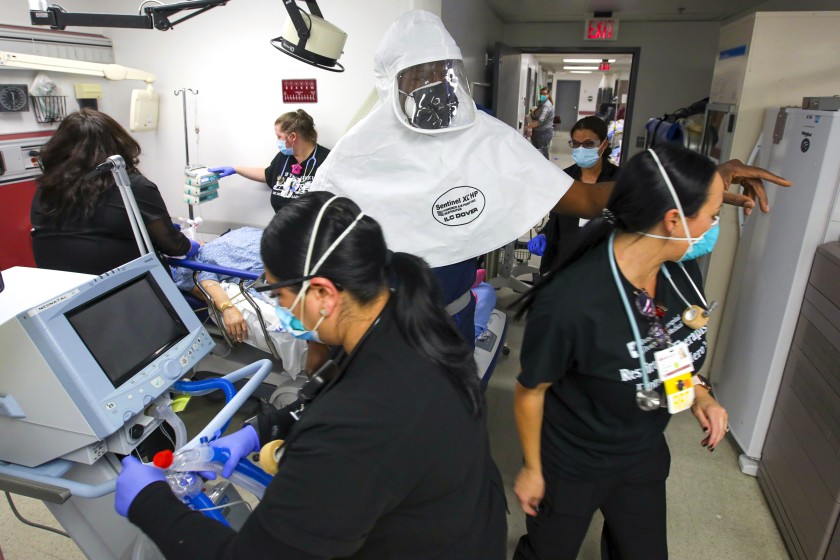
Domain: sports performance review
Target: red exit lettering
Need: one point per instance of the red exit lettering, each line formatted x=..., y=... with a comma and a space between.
x=601, y=29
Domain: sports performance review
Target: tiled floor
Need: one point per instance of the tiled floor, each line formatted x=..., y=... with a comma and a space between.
x=714, y=511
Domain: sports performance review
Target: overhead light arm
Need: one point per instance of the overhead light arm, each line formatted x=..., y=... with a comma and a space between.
x=156, y=17
x=307, y=37
x=296, y=39
x=51, y=64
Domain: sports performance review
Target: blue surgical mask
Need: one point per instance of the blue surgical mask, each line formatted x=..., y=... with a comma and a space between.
x=281, y=145
x=586, y=157
x=697, y=246
x=543, y=98
x=294, y=326
x=704, y=244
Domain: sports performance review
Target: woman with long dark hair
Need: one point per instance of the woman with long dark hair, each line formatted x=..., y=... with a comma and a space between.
x=590, y=401
x=591, y=153
x=390, y=456
x=80, y=224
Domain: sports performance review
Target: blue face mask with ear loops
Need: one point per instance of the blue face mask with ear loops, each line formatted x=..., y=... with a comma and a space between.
x=281, y=145
x=586, y=157
x=697, y=246
x=704, y=244
x=294, y=326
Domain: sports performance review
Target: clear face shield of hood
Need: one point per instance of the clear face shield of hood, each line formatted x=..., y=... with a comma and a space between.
x=434, y=97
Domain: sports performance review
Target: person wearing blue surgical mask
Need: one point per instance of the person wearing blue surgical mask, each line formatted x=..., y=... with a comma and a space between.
x=388, y=456
x=591, y=408
x=591, y=153
x=542, y=124
x=290, y=173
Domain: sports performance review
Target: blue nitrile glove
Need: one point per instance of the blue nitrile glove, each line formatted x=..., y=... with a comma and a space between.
x=240, y=444
x=134, y=477
x=537, y=245
x=222, y=171
x=194, y=247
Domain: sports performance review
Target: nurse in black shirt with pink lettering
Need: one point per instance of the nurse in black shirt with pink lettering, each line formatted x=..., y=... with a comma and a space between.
x=290, y=173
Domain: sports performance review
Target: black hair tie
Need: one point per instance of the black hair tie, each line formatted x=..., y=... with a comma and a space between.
x=389, y=257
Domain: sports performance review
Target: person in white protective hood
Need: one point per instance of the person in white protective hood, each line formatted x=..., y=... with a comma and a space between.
x=447, y=182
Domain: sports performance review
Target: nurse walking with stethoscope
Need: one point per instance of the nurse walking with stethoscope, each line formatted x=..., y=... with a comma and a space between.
x=290, y=173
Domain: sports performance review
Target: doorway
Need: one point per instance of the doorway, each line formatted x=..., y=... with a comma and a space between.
x=606, y=84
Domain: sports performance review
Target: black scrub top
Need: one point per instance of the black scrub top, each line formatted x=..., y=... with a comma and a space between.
x=560, y=229
x=578, y=338
x=104, y=240
x=385, y=463
x=285, y=183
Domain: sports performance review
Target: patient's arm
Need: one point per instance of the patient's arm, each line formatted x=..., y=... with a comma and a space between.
x=234, y=321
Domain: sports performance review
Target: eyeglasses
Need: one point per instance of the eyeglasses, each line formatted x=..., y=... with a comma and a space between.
x=648, y=308
x=260, y=286
x=585, y=143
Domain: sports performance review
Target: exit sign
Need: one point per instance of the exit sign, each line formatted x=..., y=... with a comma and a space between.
x=600, y=29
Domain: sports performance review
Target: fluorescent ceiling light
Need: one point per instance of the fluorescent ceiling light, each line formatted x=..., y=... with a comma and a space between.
x=580, y=72
x=580, y=68
x=50, y=64
x=586, y=60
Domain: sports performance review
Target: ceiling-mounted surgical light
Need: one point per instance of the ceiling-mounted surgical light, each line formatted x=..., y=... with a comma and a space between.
x=308, y=37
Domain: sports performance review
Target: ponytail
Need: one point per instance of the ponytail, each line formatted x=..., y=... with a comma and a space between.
x=426, y=326
x=638, y=202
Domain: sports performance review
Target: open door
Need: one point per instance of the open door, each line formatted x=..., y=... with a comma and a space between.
x=506, y=95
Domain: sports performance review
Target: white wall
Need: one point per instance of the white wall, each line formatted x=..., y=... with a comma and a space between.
x=675, y=65
x=225, y=54
x=476, y=29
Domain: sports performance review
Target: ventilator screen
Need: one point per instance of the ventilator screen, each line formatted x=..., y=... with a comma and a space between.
x=127, y=328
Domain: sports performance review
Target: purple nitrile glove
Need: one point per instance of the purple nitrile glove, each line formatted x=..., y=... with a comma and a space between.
x=537, y=245
x=222, y=171
x=240, y=444
x=134, y=477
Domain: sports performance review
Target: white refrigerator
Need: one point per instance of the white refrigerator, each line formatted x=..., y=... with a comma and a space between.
x=771, y=269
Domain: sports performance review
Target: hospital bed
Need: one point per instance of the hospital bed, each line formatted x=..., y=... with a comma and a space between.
x=282, y=384
x=489, y=344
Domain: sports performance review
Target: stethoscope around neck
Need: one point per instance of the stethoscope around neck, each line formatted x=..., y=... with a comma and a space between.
x=647, y=398
x=308, y=166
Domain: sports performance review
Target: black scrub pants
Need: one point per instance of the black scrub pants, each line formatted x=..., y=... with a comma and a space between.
x=633, y=505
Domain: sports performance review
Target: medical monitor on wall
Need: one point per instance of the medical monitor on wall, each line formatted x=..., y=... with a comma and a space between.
x=91, y=358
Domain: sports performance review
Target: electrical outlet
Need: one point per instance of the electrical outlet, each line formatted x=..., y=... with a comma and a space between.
x=640, y=141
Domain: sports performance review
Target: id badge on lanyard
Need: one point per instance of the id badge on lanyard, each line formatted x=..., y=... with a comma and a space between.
x=675, y=368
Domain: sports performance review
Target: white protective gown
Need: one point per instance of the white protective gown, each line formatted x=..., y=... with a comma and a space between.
x=447, y=196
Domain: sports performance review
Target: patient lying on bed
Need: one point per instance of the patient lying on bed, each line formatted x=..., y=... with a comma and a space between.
x=240, y=249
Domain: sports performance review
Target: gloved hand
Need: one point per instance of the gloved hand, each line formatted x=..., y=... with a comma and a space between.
x=194, y=247
x=222, y=171
x=240, y=444
x=134, y=477
x=537, y=245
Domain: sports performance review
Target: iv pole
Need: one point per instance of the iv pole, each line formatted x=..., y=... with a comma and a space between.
x=186, y=133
